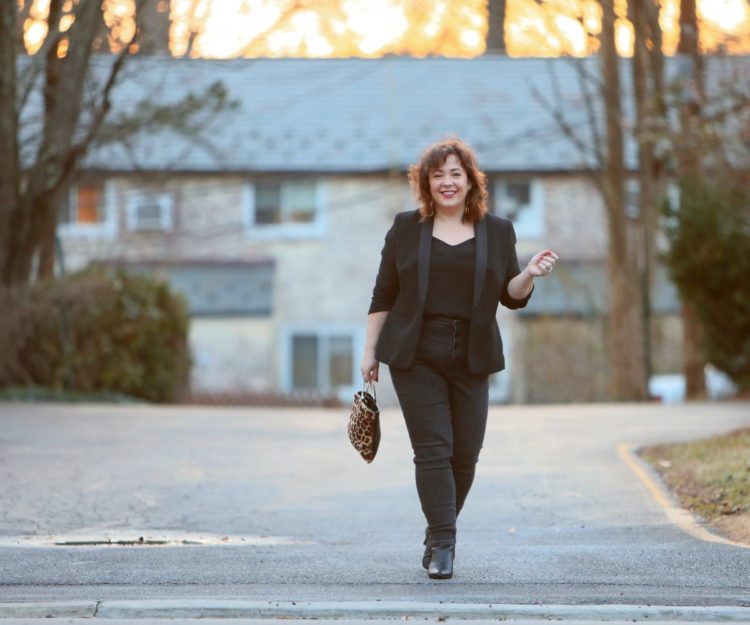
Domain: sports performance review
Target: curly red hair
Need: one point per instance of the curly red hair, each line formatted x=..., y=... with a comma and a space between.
x=434, y=157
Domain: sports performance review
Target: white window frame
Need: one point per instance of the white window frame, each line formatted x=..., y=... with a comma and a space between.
x=314, y=229
x=105, y=229
x=286, y=363
x=536, y=206
x=632, y=190
x=165, y=200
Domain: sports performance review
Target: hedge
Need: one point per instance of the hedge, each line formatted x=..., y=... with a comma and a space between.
x=96, y=331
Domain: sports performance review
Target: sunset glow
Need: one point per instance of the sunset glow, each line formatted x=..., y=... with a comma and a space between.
x=727, y=15
x=372, y=28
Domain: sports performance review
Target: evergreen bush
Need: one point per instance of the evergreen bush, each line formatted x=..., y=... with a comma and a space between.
x=97, y=331
x=709, y=261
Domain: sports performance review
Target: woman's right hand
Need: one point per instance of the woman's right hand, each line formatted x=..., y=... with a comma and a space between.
x=369, y=368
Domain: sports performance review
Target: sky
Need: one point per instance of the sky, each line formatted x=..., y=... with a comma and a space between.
x=378, y=25
x=372, y=28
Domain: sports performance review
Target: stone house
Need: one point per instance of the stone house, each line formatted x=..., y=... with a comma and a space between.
x=272, y=223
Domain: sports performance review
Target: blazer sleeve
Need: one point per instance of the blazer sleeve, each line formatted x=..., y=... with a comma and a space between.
x=511, y=272
x=386, y=283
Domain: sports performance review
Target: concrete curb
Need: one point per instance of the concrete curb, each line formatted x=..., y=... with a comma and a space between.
x=206, y=608
x=49, y=609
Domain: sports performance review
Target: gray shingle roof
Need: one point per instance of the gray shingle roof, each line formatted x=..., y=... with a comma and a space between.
x=356, y=115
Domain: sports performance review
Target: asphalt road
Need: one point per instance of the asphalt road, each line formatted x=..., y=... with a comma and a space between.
x=284, y=509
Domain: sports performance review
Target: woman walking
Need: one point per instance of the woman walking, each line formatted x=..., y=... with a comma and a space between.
x=444, y=269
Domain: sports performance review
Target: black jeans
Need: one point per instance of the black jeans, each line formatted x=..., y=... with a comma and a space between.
x=445, y=409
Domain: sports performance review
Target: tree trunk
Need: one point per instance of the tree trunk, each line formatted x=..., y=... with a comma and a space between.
x=47, y=211
x=693, y=359
x=153, y=23
x=9, y=171
x=28, y=206
x=63, y=96
x=648, y=80
x=626, y=350
x=689, y=164
x=496, y=27
x=43, y=215
x=688, y=41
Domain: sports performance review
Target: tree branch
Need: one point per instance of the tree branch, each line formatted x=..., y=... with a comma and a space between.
x=79, y=148
x=588, y=99
x=285, y=16
x=564, y=125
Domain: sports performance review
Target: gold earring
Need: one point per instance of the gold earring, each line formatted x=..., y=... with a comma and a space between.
x=432, y=208
x=466, y=207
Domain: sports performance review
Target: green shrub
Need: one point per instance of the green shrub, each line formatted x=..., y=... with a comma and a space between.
x=97, y=331
x=709, y=260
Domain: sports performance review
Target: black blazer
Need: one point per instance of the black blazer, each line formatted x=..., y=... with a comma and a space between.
x=401, y=288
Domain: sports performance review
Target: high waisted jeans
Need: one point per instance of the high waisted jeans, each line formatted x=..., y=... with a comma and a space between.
x=445, y=409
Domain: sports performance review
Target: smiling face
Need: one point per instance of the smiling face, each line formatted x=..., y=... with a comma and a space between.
x=446, y=179
x=449, y=185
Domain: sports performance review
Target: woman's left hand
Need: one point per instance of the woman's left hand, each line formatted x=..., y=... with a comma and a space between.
x=542, y=263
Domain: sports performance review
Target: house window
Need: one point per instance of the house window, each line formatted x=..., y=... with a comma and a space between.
x=149, y=210
x=284, y=203
x=283, y=207
x=83, y=210
x=322, y=362
x=521, y=202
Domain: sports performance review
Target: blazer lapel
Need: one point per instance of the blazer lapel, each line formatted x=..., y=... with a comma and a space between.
x=423, y=261
x=480, y=259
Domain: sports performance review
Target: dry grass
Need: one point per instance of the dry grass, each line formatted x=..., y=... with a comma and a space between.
x=710, y=477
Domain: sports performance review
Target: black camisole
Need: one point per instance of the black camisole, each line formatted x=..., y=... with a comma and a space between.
x=451, y=284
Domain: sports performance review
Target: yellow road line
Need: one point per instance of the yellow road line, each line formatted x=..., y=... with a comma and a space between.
x=679, y=516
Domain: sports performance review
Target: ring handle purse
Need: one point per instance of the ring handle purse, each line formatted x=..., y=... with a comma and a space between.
x=364, y=422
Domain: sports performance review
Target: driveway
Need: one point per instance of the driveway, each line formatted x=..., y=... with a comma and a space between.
x=274, y=505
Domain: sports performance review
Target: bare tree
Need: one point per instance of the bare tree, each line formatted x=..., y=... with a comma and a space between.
x=31, y=219
x=688, y=41
x=625, y=321
x=8, y=124
x=603, y=149
x=632, y=255
x=71, y=121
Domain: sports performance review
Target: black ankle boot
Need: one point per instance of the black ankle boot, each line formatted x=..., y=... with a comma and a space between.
x=427, y=555
x=441, y=562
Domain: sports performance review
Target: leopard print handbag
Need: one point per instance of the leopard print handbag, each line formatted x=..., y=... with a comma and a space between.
x=364, y=423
